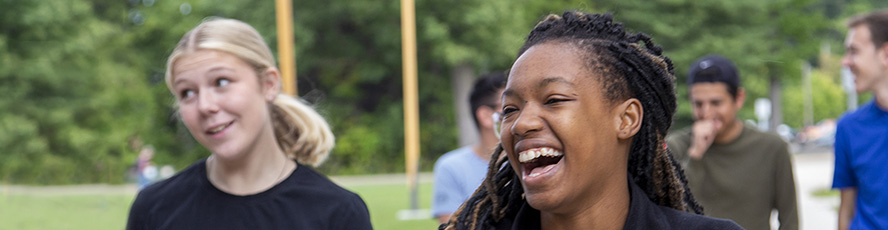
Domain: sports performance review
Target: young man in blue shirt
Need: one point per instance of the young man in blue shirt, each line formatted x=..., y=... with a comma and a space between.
x=459, y=172
x=861, y=145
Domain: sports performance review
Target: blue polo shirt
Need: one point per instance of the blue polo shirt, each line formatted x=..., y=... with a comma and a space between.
x=457, y=174
x=861, y=150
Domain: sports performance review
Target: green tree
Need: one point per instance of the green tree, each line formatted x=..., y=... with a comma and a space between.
x=83, y=80
x=767, y=39
x=828, y=98
x=70, y=107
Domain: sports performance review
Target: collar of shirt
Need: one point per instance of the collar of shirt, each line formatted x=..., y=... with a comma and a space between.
x=643, y=214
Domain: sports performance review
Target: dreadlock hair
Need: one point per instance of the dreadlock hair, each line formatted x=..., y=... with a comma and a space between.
x=631, y=66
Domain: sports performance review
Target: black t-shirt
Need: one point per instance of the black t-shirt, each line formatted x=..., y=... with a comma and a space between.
x=643, y=214
x=304, y=200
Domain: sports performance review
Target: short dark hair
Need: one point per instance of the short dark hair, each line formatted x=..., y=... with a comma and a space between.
x=715, y=69
x=484, y=93
x=876, y=21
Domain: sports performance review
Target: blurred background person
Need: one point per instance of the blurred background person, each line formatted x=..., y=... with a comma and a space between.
x=146, y=172
x=228, y=96
x=459, y=172
x=861, y=147
x=734, y=170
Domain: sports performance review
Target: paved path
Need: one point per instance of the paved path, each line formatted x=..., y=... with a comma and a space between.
x=813, y=172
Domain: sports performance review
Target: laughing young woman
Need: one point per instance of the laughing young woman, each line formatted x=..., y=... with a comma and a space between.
x=228, y=95
x=585, y=111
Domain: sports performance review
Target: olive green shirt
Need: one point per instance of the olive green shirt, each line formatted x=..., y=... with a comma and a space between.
x=743, y=180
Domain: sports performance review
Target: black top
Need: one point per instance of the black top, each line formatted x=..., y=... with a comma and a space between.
x=304, y=200
x=643, y=214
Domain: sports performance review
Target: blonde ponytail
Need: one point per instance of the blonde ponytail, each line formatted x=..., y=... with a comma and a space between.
x=300, y=131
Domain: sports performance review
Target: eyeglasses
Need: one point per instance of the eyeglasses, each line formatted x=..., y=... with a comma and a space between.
x=497, y=123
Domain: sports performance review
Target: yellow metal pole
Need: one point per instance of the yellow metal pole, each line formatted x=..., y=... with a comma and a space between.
x=284, y=12
x=411, y=103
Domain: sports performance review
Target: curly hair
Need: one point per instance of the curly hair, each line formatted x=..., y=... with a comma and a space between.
x=631, y=66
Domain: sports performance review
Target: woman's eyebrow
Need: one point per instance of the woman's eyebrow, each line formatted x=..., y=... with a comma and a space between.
x=509, y=93
x=178, y=82
x=550, y=80
x=543, y=83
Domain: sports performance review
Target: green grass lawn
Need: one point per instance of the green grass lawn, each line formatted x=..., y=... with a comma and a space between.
x=60, y=211
x=63, y=211
x=826, y=193
x=384, y=202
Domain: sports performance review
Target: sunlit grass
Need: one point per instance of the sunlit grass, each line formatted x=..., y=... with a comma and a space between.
x=384, y=202
x=104, y=211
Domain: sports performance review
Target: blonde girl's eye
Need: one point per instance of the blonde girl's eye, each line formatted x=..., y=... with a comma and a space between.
x=222, y=82
x=185, y=94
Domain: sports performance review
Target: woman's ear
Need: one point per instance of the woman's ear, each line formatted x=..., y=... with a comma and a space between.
x=271, y=83
x=628, y=117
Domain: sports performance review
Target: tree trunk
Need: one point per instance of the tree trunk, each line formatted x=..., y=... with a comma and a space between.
x=776, y=95
x=462, y=77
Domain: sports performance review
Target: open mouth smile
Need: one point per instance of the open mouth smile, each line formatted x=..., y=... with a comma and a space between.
x=539, y=161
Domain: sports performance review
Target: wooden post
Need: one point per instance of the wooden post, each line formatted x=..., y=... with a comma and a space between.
x=411, y=102
x=286, y=56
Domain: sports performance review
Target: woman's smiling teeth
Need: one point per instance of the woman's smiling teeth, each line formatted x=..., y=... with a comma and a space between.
x=539, y=161
x=219, y=128
x=535, y=153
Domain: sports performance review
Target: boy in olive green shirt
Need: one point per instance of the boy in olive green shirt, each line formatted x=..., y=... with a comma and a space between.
x=733, y=170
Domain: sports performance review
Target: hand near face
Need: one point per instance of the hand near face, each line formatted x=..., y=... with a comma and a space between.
x=704, y=132
x=714, y=109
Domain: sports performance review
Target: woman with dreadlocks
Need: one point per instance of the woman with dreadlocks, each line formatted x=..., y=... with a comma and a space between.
x=585, y=111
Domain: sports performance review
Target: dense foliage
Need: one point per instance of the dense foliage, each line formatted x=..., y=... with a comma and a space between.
x=82, y=81
x=71, y=98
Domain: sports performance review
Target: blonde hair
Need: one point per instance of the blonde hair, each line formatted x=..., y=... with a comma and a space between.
x=300, y=131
